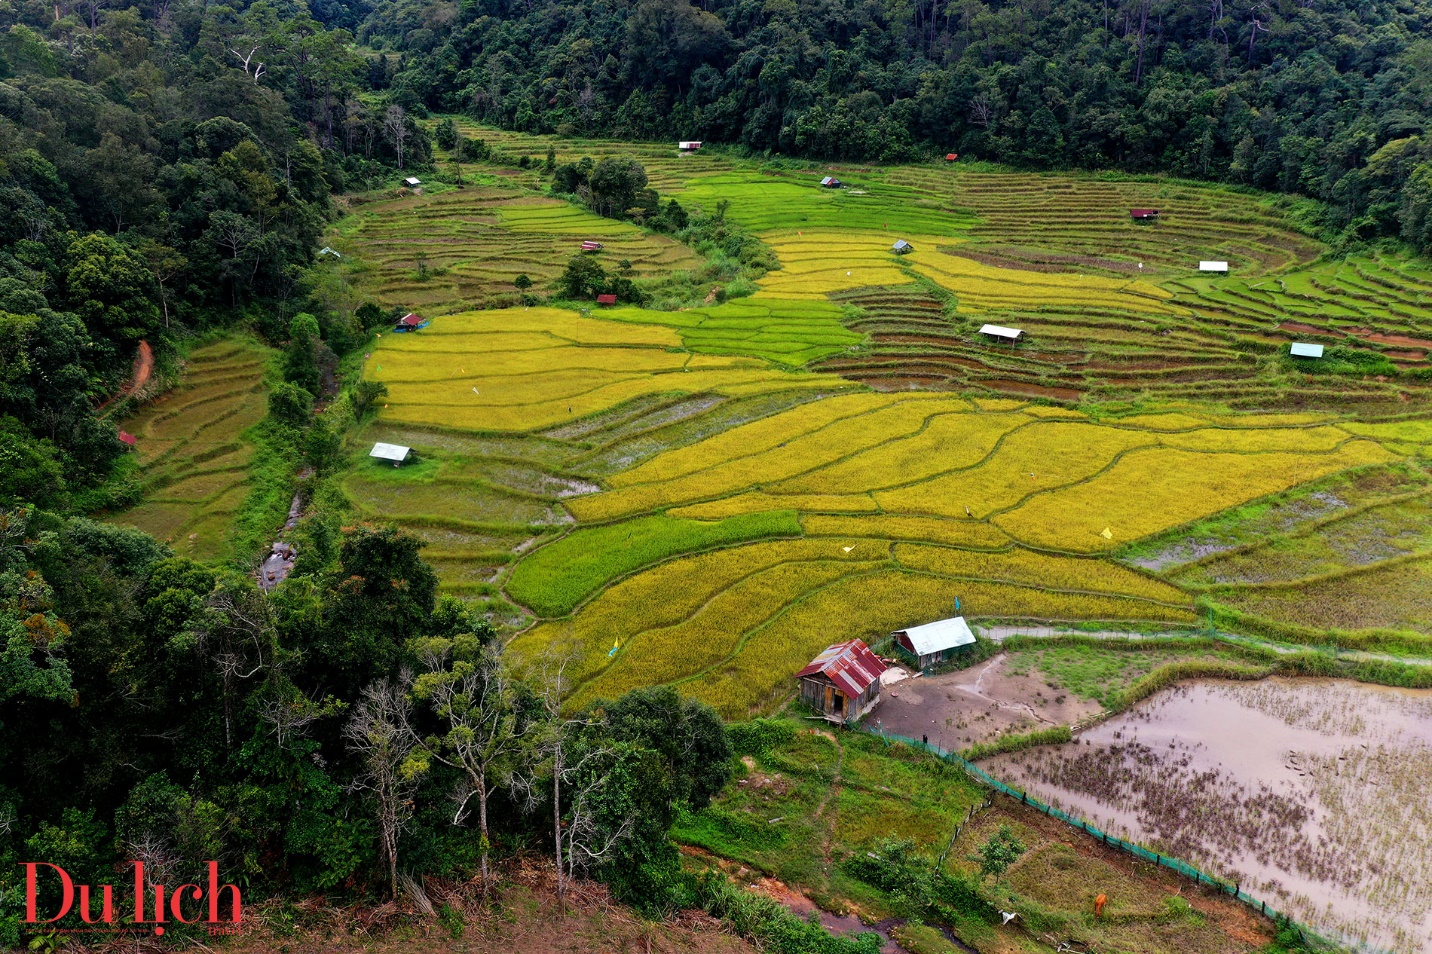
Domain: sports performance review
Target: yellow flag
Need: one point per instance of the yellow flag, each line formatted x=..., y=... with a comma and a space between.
x=1107, y=534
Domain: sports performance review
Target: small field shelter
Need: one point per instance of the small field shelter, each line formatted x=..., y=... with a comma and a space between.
x=1213, y=266
x=902, y=247
x=689, y=145
x=412, y=182
x=1001, y=332
x=606, y=299
x=396, y=453
x=410, y=322
x=1302, y=350
x=1143, y=214
x=843, y=682
x=933, y=643
x=831, y=182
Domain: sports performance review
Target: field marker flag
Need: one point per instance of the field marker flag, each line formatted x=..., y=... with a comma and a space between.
x=615, y=646
x=1107, y=534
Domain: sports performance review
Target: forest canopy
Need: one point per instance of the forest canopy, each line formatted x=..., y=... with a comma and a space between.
x=1317, y=97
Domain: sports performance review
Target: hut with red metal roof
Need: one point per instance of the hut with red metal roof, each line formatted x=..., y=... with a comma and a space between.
x=1143, y=214
x=127, y=439
x=606, y=299
x=843, y=682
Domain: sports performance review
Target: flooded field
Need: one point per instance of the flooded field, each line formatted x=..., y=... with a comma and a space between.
x=1315, y=795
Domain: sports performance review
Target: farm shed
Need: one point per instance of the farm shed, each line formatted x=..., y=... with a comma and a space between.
x=410, y=322
x=412, y=182
x=902, y=247
x=591, y=246
x=329, y=251
x=689, y=145
x=1301, y=350
x=397, y=453
x=127, y=439
x=1143, y=214
x=951, y=156
x=606, y=299
x=831, y=182
x=933, y=643
x=999, y=331
x=843, y=682
x=1213, y=266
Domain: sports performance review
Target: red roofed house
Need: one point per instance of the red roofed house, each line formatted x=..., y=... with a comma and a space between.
x=410, y=322
x=843, y=682
x=1143, y=213
x=591, y=246
x=606, y=299
x=127, y=438
x=951, y=156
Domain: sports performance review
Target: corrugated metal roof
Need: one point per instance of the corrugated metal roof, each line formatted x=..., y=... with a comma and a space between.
x=938, y=636
x=411, y=320
x=413, y=180
x=850, y=665
x=1301, y=350
x=1213, y=266
x=999, y=331
x=1144, y=213
x=901, y=245
x=389, y=451
x=606, y=299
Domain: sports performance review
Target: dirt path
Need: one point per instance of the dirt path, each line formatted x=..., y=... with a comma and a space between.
x=139, y=377
x=830, y=791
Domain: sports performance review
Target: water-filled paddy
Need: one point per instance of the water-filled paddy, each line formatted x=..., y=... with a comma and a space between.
x=1313, y=794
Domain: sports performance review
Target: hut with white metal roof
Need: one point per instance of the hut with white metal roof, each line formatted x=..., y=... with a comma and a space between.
x=901, y=247
x=396, y=453
x=1303, y=350
x=999, y=331
x=1213, y=266
x=933, y=643
x=843, y=682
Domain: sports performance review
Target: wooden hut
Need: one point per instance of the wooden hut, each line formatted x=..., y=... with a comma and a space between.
x=688, y=145
x=1302, y=350
x=1213, y=266
x=591, y=246
x=843, y=682
x=606, y=299
x=410, y=322
x=902, y=247
x=1143, y=215
x=831, y=182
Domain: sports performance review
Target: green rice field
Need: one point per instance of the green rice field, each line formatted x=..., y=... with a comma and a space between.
x=193, y=452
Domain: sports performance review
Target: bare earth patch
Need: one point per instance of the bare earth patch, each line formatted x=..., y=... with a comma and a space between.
x=979, y=704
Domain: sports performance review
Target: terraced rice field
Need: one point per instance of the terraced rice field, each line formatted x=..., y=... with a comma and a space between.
x=452, y=250
x=193, y=452
x=707, y=497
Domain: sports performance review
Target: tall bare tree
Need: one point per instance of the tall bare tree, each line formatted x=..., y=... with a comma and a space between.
x=575, y=759
x=471, y=689
x=395, y=122
x=380, y=732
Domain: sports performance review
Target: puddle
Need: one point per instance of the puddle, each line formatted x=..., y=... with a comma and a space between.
x=1313, y=794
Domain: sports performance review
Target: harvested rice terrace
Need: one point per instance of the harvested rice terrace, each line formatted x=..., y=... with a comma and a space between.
x=192, y=449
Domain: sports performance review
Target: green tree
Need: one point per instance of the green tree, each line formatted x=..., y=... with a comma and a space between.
x=290, y=404
x=300, y=359
x=1001, y=850
x=109, y=287
x=616, y=184
x=445, y=133
x=584, y=277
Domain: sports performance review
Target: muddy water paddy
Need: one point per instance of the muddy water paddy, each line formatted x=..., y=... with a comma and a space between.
x=1314, y=794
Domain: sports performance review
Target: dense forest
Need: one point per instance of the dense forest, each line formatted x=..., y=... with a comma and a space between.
x=1320, y=97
